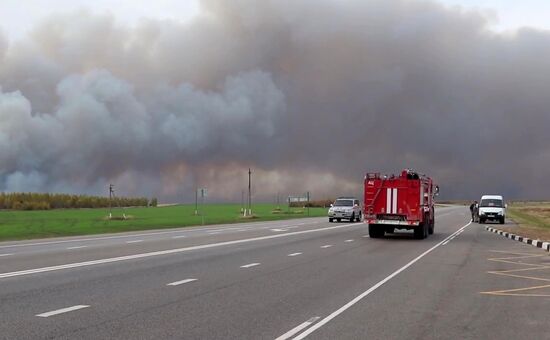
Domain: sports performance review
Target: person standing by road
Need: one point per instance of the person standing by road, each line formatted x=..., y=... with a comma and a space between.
x=473, y=210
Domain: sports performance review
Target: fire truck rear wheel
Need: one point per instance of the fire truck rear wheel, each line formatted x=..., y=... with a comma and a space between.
x=431, y=228
x=426, y=230
x=421, y=232
x=375, y=231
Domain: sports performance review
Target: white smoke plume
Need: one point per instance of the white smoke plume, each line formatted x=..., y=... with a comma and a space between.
x=310, y=94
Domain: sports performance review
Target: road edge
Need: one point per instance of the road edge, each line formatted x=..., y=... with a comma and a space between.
x=535, y=243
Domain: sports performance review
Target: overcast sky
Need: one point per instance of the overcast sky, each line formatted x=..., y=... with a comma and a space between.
x=17, y=17
x=159, y=97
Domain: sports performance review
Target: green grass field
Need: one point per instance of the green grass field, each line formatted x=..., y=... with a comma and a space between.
x=533, y=219
x=19, y=225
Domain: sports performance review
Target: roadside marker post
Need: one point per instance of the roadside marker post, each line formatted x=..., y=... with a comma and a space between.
x=203, y=192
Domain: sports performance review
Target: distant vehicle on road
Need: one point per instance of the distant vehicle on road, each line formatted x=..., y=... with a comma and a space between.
x=492, y=207
x=400, y=202
x=347, y=208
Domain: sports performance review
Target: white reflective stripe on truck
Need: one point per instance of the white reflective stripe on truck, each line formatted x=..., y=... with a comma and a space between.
x=394, y=206
x=388, y=200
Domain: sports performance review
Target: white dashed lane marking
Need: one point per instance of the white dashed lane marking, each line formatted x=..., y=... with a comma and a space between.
x=250, y=265
x=62, y=311
x=162, y=252
x=177, y=283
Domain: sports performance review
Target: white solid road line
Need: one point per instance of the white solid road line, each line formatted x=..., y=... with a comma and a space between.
x=250, y=265
x=177, y=283
x=91, y=239
x=134, y=241
x=365, y=236
x=348, y=241
x=222, y=229
x=88, y=239
x=294, y=254
x=298, y=329
x=2, y=255
x=61, y=311
x=180, y=236
x=77, y=247
x=234, y=229
x=326, y=246
x=165, y=252
x=373, y=288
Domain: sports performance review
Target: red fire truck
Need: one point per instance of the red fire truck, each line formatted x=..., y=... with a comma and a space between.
x=399, y=202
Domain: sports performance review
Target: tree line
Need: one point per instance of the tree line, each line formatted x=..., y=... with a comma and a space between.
x=313, y=204
x=47, y=201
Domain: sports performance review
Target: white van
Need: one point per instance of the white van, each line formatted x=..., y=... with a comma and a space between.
x=492, y=207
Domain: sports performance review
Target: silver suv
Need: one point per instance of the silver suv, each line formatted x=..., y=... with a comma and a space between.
x=347, y=208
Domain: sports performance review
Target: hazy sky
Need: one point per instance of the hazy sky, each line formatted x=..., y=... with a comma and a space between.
x=310, y=94
x=512, y=14
x=18, y=16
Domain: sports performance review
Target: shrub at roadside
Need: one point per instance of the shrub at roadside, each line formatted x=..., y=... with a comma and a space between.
x=46, y=201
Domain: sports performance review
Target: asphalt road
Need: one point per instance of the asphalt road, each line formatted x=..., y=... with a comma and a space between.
x=277, y=280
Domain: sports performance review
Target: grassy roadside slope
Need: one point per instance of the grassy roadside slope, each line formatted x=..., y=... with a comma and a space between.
x=19, y=225
x=533, y=219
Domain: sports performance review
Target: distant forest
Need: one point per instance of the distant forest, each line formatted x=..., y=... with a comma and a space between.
x=41, y=201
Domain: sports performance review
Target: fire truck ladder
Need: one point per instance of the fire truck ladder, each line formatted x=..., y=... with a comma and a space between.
x=371, y=205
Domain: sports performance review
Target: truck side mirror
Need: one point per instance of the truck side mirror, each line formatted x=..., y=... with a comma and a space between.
x=437, y=190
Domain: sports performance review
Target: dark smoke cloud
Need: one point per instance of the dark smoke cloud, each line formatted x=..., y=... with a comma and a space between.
x=311, y=94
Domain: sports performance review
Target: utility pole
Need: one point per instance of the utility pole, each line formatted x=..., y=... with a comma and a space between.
x=308, y=203
x=249, y=193
x=242, y=203
x=196, y=200
x=110, y=200
x=203, y=193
